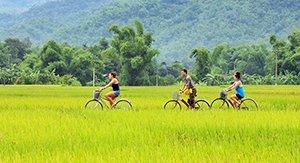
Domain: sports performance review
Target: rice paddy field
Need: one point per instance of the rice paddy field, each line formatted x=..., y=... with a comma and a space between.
x=50, y=124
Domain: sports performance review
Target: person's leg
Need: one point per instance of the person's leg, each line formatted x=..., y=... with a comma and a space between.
x=110, y=97
x=235, y=100
x=238, y=99
x=189, y=102
x=192, y=100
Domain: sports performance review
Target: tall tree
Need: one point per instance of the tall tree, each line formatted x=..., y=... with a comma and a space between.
x=82, y=66
x=16, y=48
x=294, y=39
x=279, y=48
x=202, y=63
x=51, y=52
x=135, y=52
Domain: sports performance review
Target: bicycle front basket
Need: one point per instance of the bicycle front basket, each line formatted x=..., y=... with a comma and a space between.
x=176, y=96
x=223, y=94
x=96, y=94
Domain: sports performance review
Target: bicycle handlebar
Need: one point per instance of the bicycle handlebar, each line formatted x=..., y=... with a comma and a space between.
x=99, y=90
x=227, y=90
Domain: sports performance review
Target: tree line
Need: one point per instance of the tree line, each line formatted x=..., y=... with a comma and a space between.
x=130, y=52
x=275, y=63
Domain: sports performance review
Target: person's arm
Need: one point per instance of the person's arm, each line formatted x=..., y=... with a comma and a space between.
x=108, y=85
x=186, y=84
x=235, y=84
x=183, y=88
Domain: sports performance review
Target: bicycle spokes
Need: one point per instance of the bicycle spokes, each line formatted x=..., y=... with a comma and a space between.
x=123, y=105
x=172, y=105
x=202, y=105
x=219, y=103
x=248, y=104
x=93, y=104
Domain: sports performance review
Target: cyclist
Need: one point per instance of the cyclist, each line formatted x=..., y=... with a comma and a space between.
x=114, y=83
x=188, y=88
x=239, y=88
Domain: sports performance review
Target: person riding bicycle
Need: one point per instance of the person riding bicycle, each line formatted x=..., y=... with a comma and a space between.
x=188, y=88
x=239, y=88
x=114, y=83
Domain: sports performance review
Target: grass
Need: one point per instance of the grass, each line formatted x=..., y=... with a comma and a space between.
x=48, y=123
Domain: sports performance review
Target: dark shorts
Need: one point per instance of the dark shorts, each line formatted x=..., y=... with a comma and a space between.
x=239, y=96
x=194, y=92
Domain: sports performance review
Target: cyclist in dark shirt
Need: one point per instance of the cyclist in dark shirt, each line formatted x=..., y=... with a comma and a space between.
x=114, y=83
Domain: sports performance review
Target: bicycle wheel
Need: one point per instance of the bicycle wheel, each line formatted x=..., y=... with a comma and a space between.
x=94, y=104
x=248, y=104
x=202, y=105
x=219, y=103
x=123, y=105
x=172, y=105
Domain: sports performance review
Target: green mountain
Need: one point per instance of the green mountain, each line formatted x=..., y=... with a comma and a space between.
x=178, y=25
x=19, y=6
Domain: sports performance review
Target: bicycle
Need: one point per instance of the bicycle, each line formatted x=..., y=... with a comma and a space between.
x=200, y=104
x=98, y=101
x=222, y=103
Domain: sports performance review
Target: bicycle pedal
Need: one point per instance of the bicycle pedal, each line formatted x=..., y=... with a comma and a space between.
x=245, y=108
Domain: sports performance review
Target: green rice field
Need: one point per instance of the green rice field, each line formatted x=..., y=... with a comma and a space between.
x=50, y=124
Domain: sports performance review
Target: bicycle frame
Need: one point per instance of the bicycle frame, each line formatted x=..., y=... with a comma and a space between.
x=102, y=100
x=178, y=98
x=230, y=102
x=184, y=102
x=199, y=103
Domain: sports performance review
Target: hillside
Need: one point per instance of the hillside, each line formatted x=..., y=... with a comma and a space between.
x=19, y=6
x=178, y=25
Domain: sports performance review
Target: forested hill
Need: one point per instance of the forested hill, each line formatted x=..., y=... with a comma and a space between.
x=19, y=6
x=178, y=25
